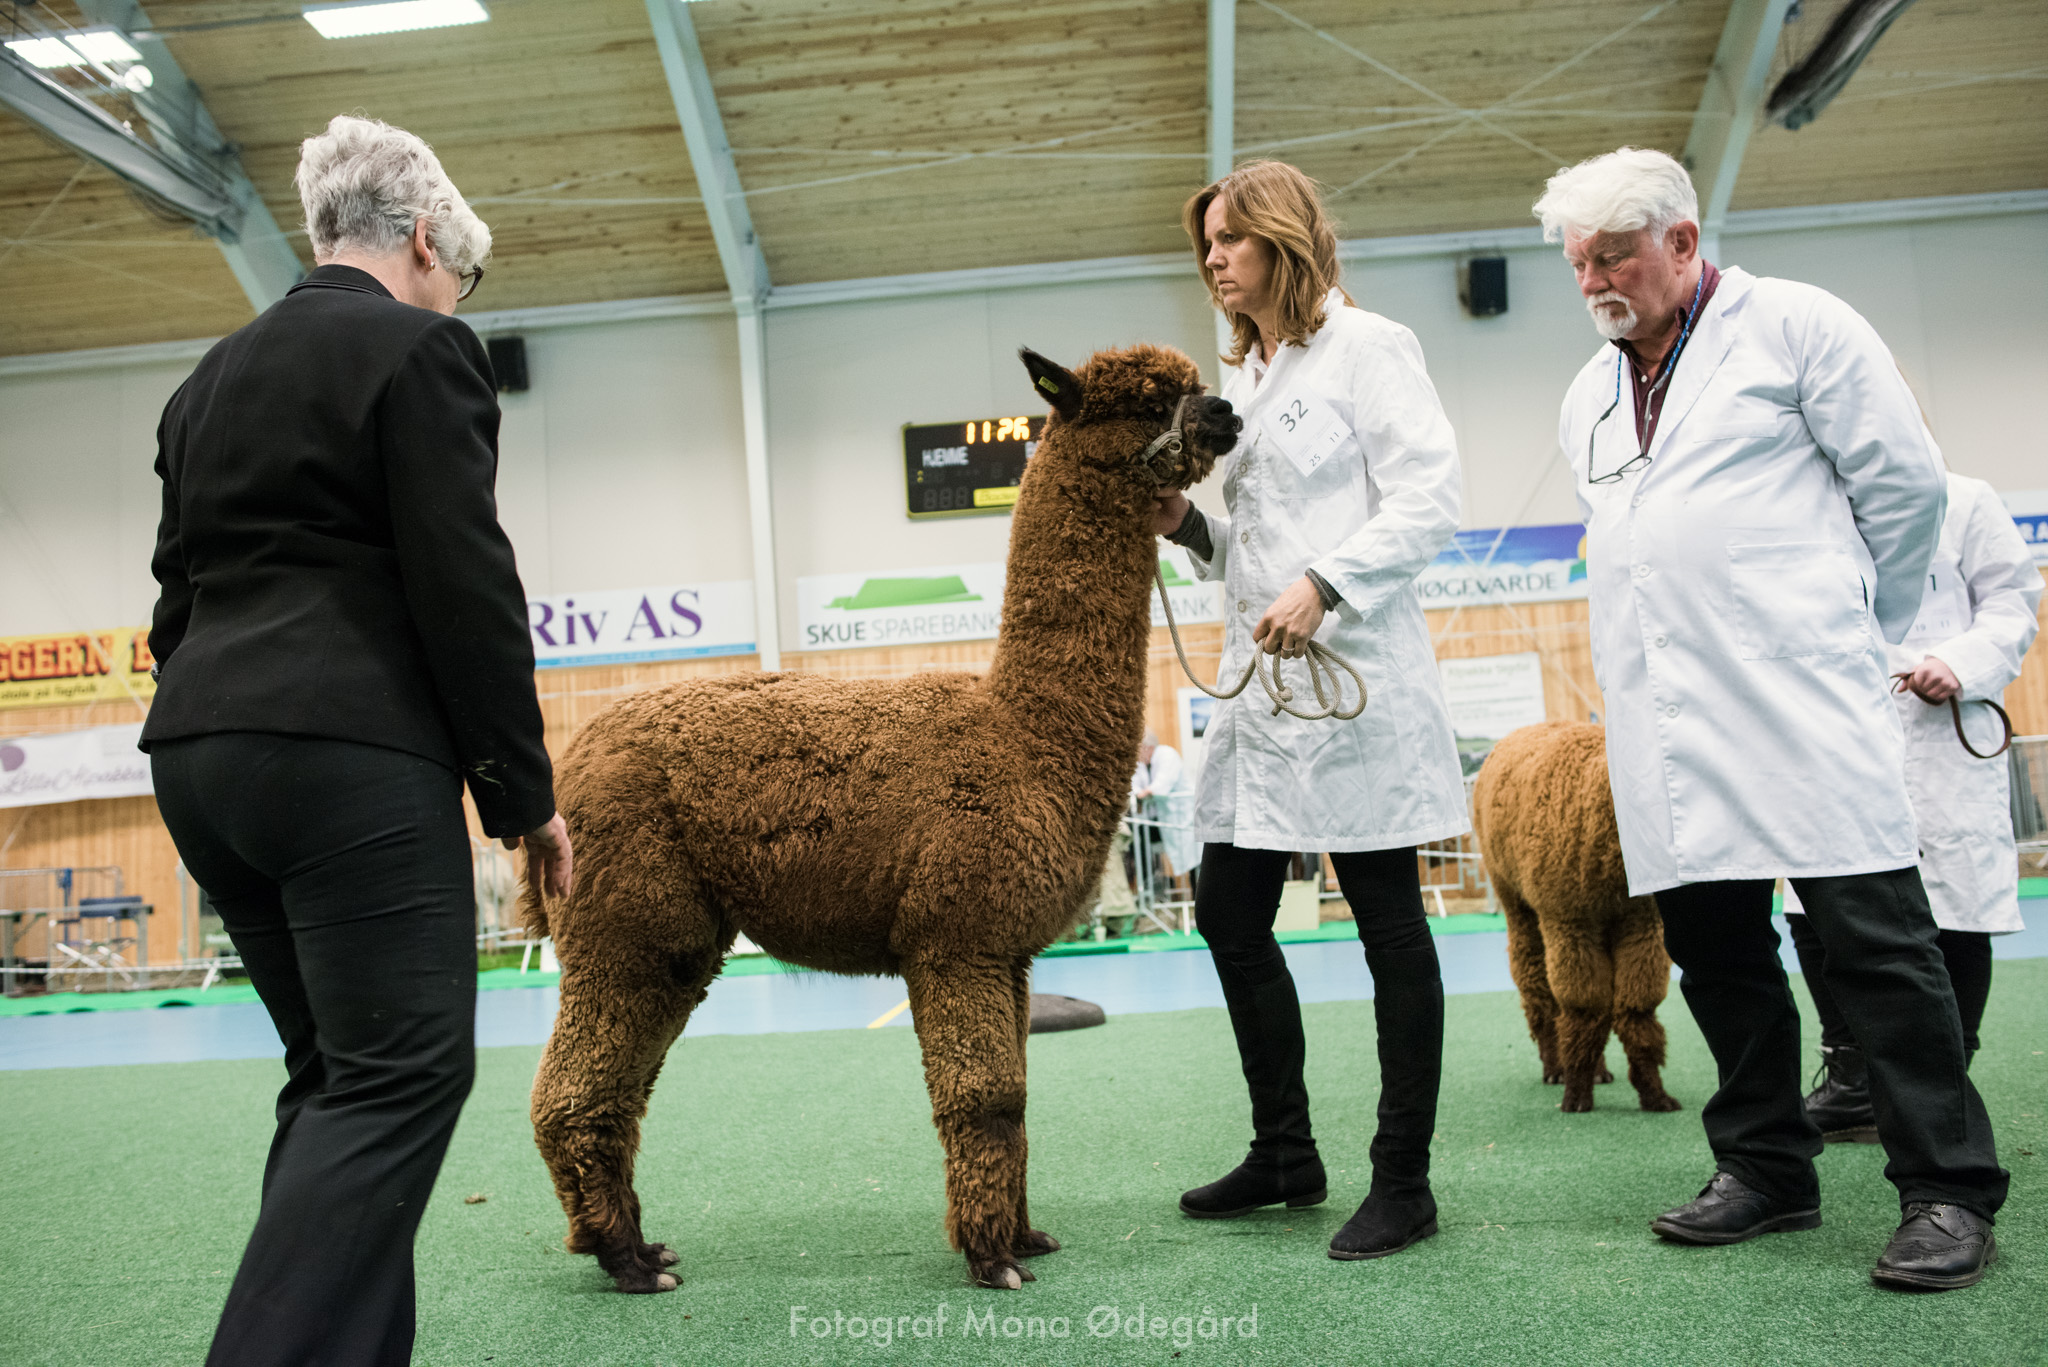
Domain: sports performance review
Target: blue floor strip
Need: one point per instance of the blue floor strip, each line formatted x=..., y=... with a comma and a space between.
x=768, y=1003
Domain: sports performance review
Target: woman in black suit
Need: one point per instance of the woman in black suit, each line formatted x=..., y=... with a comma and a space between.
x=342, y=645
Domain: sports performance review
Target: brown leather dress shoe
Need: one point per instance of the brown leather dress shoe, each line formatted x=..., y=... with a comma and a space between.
x=1937, y=1247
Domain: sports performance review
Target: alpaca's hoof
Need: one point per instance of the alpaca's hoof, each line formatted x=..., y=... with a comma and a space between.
x=1553, y=1076
x=1576, y=1101
x=1002, y=1276
x=1035, y=1242
x=1603, y=1075
x=1663, y=1101
x=661, y=1255
x=640, y=1282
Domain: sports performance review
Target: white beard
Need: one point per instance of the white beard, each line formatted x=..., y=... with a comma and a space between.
x=1609, y=324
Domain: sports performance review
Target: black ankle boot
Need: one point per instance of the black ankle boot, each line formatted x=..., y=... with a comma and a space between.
x=1253, y=1184
x=1283, y=1165
x=1840, y=1105
x=1384, y=1225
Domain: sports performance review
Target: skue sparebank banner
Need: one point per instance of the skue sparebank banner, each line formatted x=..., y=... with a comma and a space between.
x=951, y=603
x=1507, y=565
x=75, y=667
x=71, y=766
x=634, y=626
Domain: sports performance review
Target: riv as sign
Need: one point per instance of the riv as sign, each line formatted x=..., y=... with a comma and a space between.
x=633, y=626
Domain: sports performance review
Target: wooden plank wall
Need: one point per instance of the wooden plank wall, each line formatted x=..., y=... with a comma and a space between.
x=128, y=832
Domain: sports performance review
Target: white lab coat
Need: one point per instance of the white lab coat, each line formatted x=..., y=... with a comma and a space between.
x=1368, y=518
x=1743, y=587
x=1978, y=617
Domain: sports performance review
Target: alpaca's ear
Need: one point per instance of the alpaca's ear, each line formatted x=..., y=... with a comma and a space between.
x=1053, y=383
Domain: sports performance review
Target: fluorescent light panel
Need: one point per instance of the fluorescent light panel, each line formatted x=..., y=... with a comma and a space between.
x=94, y=45
x=365, y=17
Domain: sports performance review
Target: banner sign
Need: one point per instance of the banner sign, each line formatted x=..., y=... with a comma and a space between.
x=952, y=603
x=634, y=626
x=1507, y=565
x=71, y=766
x=76, y=667
x=2029, y=509
x=1489, y=696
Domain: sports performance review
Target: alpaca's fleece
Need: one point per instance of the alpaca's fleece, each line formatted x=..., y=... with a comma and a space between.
x=944, y=826
x=1585, y=955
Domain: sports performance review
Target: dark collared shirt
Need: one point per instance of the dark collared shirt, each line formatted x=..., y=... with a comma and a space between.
x=1650, y=405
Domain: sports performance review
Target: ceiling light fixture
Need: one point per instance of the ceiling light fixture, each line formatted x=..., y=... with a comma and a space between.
x=90, y=45
x=361, y=18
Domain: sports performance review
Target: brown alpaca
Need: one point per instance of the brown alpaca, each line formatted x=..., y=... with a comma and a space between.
x=1587, y=956
x=946, y=827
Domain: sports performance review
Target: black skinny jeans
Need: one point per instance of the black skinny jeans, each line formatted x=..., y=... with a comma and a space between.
x=1966, y=952
x=342, y=872
x=1885, y=970
x=1236, y=902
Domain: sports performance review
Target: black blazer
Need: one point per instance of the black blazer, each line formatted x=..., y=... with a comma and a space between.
x=330, y=554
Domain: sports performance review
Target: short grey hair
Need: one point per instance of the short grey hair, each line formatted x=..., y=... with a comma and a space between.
x=1618, y=192
x=364, y=184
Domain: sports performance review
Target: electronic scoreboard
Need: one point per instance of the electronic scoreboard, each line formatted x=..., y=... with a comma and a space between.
x=956, y=468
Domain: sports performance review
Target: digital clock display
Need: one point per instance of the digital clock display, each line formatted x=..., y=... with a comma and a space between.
x=952, y=469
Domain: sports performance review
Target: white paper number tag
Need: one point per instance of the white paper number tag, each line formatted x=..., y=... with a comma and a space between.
x=1944, y=605
x=1307, y=431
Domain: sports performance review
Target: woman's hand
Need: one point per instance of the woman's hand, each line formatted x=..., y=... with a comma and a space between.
x=1169, y=510
x=549, y=861
x=1932, y=681
x=1287, y=626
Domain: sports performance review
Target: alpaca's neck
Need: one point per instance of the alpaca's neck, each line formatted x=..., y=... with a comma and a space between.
x=1070, y=667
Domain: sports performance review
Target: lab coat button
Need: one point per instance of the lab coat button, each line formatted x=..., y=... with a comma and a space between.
x=1671, y=711
x=1245, y=537
x=1242, y=605
x=1660, y=642
x=1642, y=571
x=1636, y=502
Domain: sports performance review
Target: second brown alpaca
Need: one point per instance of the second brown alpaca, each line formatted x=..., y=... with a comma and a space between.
x=946, y=827
x=1585, y=956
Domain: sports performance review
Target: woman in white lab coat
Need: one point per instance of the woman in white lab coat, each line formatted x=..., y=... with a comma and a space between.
x=1344, y=487
x=1977, y=618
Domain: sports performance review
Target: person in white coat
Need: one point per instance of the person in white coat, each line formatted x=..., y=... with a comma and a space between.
x=1344, y=487
x=1762, y=501
x=1977, y=617
x=1160, y=788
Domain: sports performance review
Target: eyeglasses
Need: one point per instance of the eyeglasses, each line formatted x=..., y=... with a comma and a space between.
x=468, y=281
x=1627, y=467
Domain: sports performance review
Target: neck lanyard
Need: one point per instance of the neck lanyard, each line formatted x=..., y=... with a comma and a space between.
x=1670, y=367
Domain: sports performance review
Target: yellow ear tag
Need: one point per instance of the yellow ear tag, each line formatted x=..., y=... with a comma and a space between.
x=1045, y=383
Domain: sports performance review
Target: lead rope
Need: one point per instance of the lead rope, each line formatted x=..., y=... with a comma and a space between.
x=1955, y=712
x=1322, y=663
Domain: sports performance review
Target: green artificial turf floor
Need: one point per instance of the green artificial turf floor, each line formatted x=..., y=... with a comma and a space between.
x=802, y=1170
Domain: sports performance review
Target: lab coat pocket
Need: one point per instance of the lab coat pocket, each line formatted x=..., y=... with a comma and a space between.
x=1797, y=598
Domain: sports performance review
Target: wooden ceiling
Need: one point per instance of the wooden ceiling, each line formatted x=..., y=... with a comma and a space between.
x=879, y=137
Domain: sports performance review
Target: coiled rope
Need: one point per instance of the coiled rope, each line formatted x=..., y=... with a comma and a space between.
x=1323, y=664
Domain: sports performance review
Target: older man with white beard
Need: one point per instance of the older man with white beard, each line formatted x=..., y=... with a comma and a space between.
x=1762, y=500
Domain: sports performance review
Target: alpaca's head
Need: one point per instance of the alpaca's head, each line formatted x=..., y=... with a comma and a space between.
x=1139, y=412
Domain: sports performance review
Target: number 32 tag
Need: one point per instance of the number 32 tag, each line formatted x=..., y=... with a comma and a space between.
x=1307, y=431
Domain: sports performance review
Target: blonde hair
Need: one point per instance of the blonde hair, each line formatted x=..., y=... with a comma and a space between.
x=364, y=184
x=1275, y=202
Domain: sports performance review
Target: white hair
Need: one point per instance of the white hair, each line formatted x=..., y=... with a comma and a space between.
x=364, y=184
x=1619, y=192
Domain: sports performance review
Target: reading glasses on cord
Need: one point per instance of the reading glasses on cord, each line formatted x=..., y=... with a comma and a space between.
x=1642, y=457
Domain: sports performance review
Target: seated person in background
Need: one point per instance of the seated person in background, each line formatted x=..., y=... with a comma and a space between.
x=1976, y=620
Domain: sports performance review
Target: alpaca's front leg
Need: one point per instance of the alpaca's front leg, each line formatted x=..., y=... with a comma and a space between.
x=1030, y=1242
x=965, y=1014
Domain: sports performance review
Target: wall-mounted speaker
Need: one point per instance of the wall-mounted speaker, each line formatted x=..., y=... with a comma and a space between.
x=508, y=363
x=1483, y=286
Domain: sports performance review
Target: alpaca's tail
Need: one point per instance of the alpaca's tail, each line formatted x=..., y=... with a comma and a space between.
x=533, y=911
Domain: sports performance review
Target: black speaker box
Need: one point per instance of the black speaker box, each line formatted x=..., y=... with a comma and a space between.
x=508, y=363
x=1483, y=286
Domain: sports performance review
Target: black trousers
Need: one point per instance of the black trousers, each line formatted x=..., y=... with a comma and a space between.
x=342, y=872
x=1884, y=968
x=1967, y=953
x=1235, y=906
